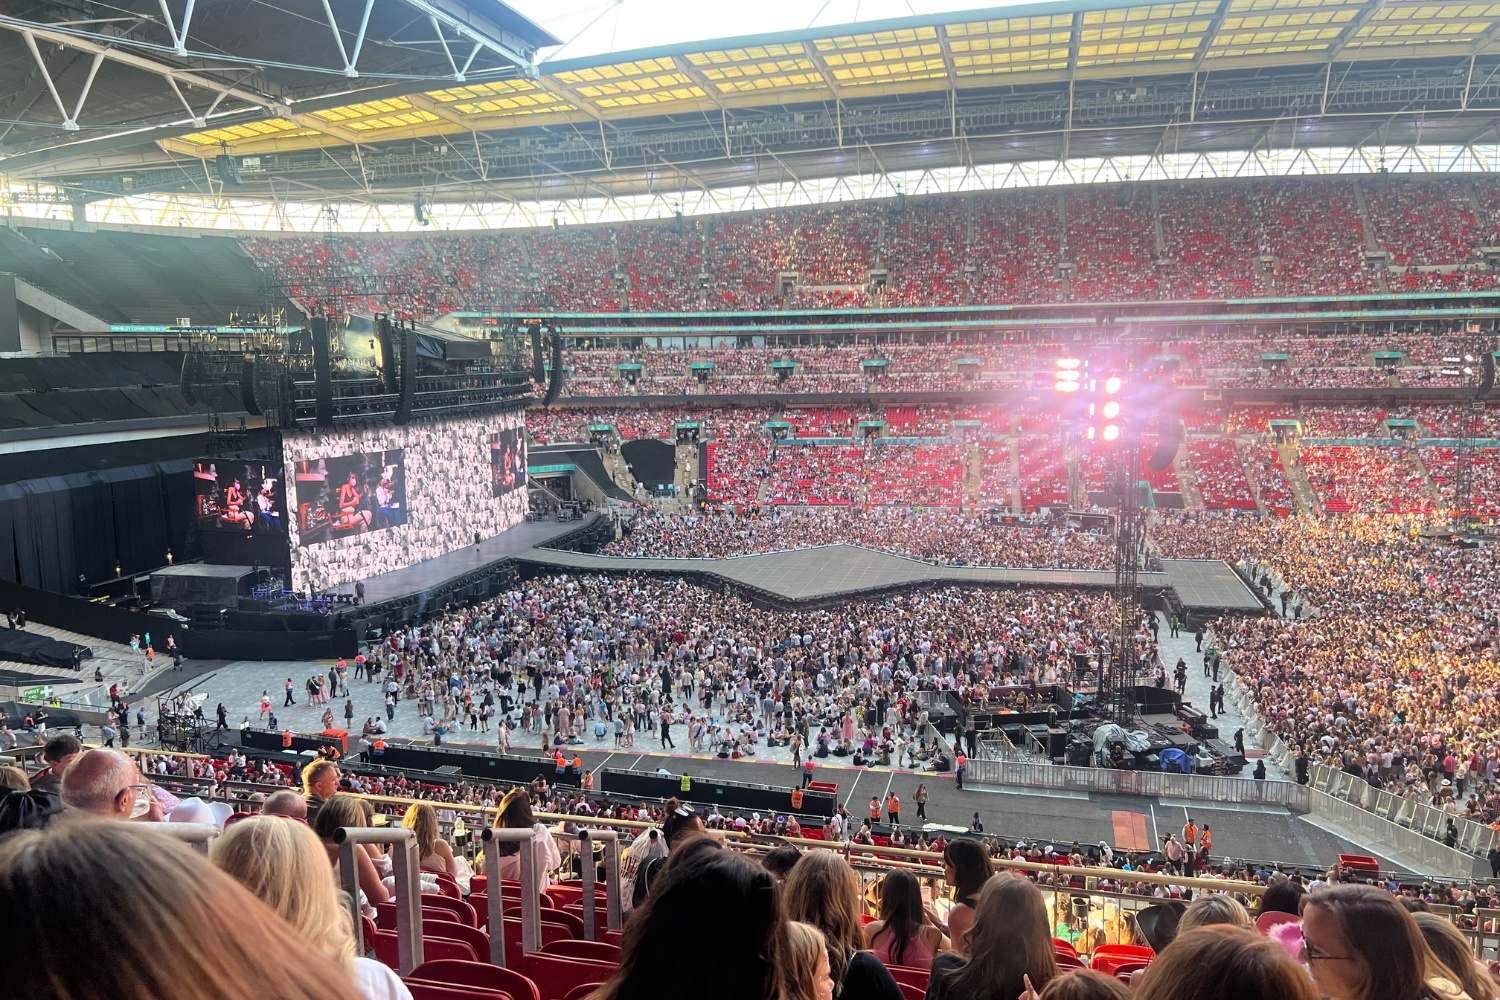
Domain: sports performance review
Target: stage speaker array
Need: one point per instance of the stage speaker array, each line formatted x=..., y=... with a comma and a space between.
x=538, y=364
x=1487, y=367
x=247, y=387
x=1168, y=439
x=554, y=385
x=188, y=380
x=322, y=371
x=408, y=375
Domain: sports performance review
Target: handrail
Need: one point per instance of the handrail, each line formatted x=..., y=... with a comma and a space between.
x=406, y=867
x=197, y=834
x=531, y=915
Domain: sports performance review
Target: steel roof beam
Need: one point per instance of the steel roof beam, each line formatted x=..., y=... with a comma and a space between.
x=468, y=23
x=812, y=53
x=1371, y=8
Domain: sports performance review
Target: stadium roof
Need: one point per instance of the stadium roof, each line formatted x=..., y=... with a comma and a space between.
x=1046, y=43
x=455, y=100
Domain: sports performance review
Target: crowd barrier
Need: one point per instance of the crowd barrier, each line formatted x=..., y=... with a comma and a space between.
x=1204, y=788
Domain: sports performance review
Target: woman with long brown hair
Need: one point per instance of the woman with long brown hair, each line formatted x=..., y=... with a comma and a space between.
x=104, y=909
x=1222, y=962
x=347, y=810
x=1010, y=941
x=1452, y=949
x=1359, y=943
x=711, y=922
x=966, y=867
x=902, y=935
x=824, y=891
x=515, y=814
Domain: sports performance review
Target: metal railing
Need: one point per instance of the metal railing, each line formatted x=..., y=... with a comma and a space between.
x=1205, y=788
x=405, y=866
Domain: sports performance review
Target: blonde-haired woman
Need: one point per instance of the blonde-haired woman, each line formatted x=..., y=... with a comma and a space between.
x=436, y=853
x=807, y=975
x=283, y=863
x=105, y=909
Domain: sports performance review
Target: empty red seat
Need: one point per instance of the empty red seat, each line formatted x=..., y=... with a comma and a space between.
x=387, y=949
x=423, y=990
x=557, y=976
x=910, y=975
x=385, y=914
x=599, y=951
x=477, y=974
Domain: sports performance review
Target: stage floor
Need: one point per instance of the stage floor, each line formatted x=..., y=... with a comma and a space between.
x=433, y=573
x=830, y=570
x=1210, y=583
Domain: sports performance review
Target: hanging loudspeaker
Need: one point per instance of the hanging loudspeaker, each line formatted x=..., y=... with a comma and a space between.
x=555, y=384
x=1487, y=365
x=1166, y=445
x=187, y=381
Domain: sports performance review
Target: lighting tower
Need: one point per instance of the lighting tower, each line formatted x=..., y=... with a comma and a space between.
x=1105, y=403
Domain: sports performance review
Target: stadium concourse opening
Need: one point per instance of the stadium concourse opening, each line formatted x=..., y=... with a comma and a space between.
x=892, y=497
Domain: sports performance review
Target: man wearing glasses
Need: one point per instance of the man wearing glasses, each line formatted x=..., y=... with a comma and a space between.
x=108, y=784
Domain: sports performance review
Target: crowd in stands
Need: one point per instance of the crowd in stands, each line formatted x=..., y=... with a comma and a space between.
x=1375, y=480
x=950, y=536
x=1287, y=237
x=1391, y=671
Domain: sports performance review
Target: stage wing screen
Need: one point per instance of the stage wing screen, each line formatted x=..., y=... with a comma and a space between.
x=239, y=495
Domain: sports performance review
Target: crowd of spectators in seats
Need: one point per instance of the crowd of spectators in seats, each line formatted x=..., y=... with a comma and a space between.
x=950, y=536
x=1371, y=480
x=1217, y=239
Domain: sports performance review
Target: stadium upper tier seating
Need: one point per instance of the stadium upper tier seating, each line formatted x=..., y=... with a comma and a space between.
x=1193, y=240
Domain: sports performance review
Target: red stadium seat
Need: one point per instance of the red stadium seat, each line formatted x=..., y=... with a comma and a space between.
x=385, y=914
x=477, y=883
x=471, y=936
x=424, y=990
x=550, y=933
x=909, y=975
x=1108, y=957
x=1059, y=945
x=481, y=975
x=433, y=949
x=569, y=920
x=1066, y=961
x=556, y=976
x=910, y=992
x=580, y=992
x=464, y=910
x=368, y=929
x=599, y=951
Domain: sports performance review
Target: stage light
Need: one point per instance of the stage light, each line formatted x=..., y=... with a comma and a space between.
x=1111, y=432
x=1112, y=385
x=1111, y=410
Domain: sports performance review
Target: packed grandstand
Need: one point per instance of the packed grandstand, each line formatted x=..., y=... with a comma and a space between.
x=522, y=602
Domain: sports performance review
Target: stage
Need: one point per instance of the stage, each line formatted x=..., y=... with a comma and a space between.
x=434, y=575
x=829, y=571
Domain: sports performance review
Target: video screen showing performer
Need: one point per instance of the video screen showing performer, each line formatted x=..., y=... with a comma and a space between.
x=238, y=495
x=507, y=461
x=350, y=495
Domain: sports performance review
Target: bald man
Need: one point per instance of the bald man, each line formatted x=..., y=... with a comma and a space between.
x=106, y=783
x=285, y=803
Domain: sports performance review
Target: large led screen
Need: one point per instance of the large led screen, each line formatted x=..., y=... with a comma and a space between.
x=350, y=495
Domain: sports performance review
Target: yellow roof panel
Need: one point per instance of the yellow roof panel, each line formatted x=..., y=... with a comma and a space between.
x=907, y=57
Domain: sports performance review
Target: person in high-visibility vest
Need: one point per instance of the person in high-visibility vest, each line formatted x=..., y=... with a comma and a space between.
x=796, y=800
x=893, y=808
x=286, y=739
x=1206, y=843
x=1189, y=835
x=588, y=781
x=874, y=810
x=807, y=772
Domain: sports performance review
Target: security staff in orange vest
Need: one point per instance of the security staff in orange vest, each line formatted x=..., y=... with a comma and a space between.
x=1189, y=835
x=1207, y=843
x=588, y=781
x=893, y=807
x=796, y=800
x=874, y=810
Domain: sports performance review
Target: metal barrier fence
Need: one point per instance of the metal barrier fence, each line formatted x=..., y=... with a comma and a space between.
x=1205, y=788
